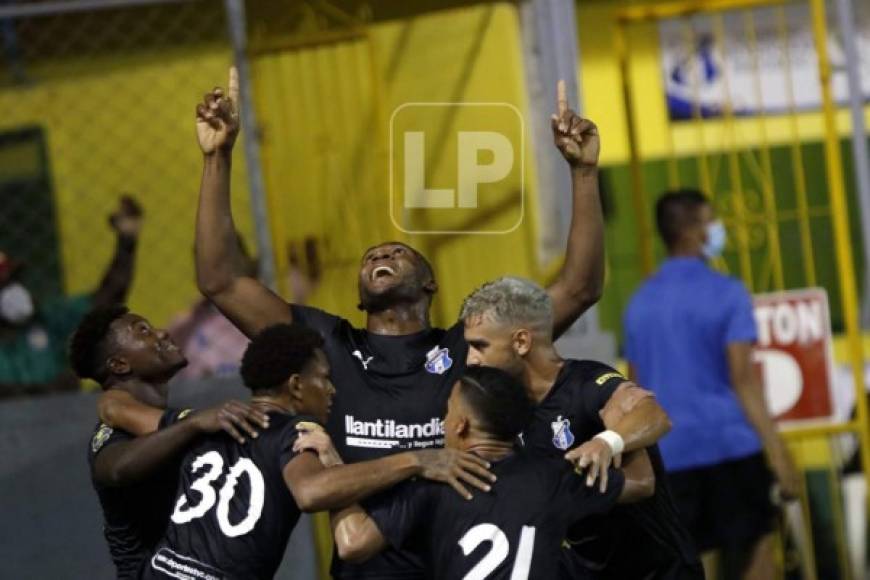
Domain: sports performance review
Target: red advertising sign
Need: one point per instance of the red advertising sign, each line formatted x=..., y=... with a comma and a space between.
x=794, y=354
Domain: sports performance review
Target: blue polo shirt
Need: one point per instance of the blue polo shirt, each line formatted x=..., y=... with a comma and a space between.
x=677, y=329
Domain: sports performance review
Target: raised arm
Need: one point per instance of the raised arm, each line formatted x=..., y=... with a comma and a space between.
x=357, y=537
x=115, y=285
x=581, y=280
x=129, y=462
x=249, y=304
x=750, y=393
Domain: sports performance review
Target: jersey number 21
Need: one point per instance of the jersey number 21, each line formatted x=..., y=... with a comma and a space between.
x=498, y=551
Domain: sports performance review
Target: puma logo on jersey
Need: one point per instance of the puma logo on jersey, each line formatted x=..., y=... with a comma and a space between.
x=365, y=362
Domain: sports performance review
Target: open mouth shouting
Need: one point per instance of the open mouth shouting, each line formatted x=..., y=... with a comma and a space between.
x=382, y=272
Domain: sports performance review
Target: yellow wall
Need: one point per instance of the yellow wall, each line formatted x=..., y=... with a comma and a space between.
x=125, y=124
x=602, y=93
x=325, y=106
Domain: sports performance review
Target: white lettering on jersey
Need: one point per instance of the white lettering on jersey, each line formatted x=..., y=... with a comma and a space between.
x=499, y=551
x=203, y=485
x=387, y=433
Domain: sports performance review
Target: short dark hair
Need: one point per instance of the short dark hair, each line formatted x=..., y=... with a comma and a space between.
x=277, y=353
x=87, y=350
x=498, y=400
x=677, y=210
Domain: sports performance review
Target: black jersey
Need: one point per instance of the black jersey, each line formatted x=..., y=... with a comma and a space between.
x=233, y=513
x=134, y=516
x=391, y=393
x=639, y=540
x=513, y=532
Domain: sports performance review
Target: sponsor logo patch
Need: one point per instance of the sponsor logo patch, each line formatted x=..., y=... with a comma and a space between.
x=606, y=377
x=100, y=437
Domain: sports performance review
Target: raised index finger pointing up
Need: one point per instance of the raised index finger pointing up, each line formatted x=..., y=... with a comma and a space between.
x=233, y=86
x=561, y=98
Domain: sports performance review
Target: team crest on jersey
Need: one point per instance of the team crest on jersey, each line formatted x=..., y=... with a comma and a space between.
x=438, y=361
x=100, y=437
x=365, y=361
x=562, y=437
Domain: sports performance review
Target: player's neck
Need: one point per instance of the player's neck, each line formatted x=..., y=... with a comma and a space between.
x=487, y=448
x=542, y=369
x=154, y=395
x=400, y=319
x=268, y=403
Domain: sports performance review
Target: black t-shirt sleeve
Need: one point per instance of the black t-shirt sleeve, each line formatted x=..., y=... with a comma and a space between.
x=288, y=437
x=103, y=437
x=172, y=416
x=600, y=382
x=398, y=512
x=580, y=500
x=316, y=319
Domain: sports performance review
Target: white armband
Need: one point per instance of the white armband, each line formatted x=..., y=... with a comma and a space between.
x=613, y=440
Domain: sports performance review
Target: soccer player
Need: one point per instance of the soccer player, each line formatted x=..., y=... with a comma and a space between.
x=588, y=413
x=135, y=477
x=238, y=502
x=724, y=456
x=394, y=376
x=516, y=531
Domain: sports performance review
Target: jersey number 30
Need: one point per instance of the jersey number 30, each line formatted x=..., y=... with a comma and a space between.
x=498, y=551
x=184, y=512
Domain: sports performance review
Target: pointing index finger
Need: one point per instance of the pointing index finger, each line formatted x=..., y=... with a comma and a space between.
x=233, y=86
x=561, y=98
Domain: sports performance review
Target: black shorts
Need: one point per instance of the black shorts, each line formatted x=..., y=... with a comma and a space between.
x=727, y=505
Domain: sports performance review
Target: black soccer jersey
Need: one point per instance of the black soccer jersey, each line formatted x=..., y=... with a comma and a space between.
x=134, y=516
x=391, y=394
x=639, y=540
x=233, y=513
x=513, y=532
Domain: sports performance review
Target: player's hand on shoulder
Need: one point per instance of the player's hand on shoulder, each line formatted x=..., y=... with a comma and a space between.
x=575, y=137
x=217, y=117
x=455, y=468
x=593, y=458
x=312, y=437
x=235, y=417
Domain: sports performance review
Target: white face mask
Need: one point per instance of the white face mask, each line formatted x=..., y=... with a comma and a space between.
x=716, y=238
x=16, y=303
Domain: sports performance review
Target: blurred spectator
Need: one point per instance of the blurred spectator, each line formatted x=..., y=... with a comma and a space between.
x=212, y=344
x=33, y=336
x=689, y=333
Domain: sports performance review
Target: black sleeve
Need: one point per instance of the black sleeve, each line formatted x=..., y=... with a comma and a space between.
x=105, y=436
x=599, y=383
x=399, y=511
x=581, y=500
x=316, y=319
x=172, y=416
x=288, y=437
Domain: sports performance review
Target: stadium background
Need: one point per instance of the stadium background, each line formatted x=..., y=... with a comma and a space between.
x=97, y=100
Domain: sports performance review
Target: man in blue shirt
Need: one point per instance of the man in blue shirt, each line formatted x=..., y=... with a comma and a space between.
x=689, y=333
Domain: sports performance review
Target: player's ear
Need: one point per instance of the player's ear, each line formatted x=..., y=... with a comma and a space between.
x=294, y=386
x=431, y=286
x=118, y=365
x=463, y=426
x=522, y=341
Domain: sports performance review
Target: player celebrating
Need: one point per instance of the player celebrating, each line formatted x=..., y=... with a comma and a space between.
x=521, y=523
x=238, y=502
x=135, y=477
x=507, y=326
x=395, y=375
